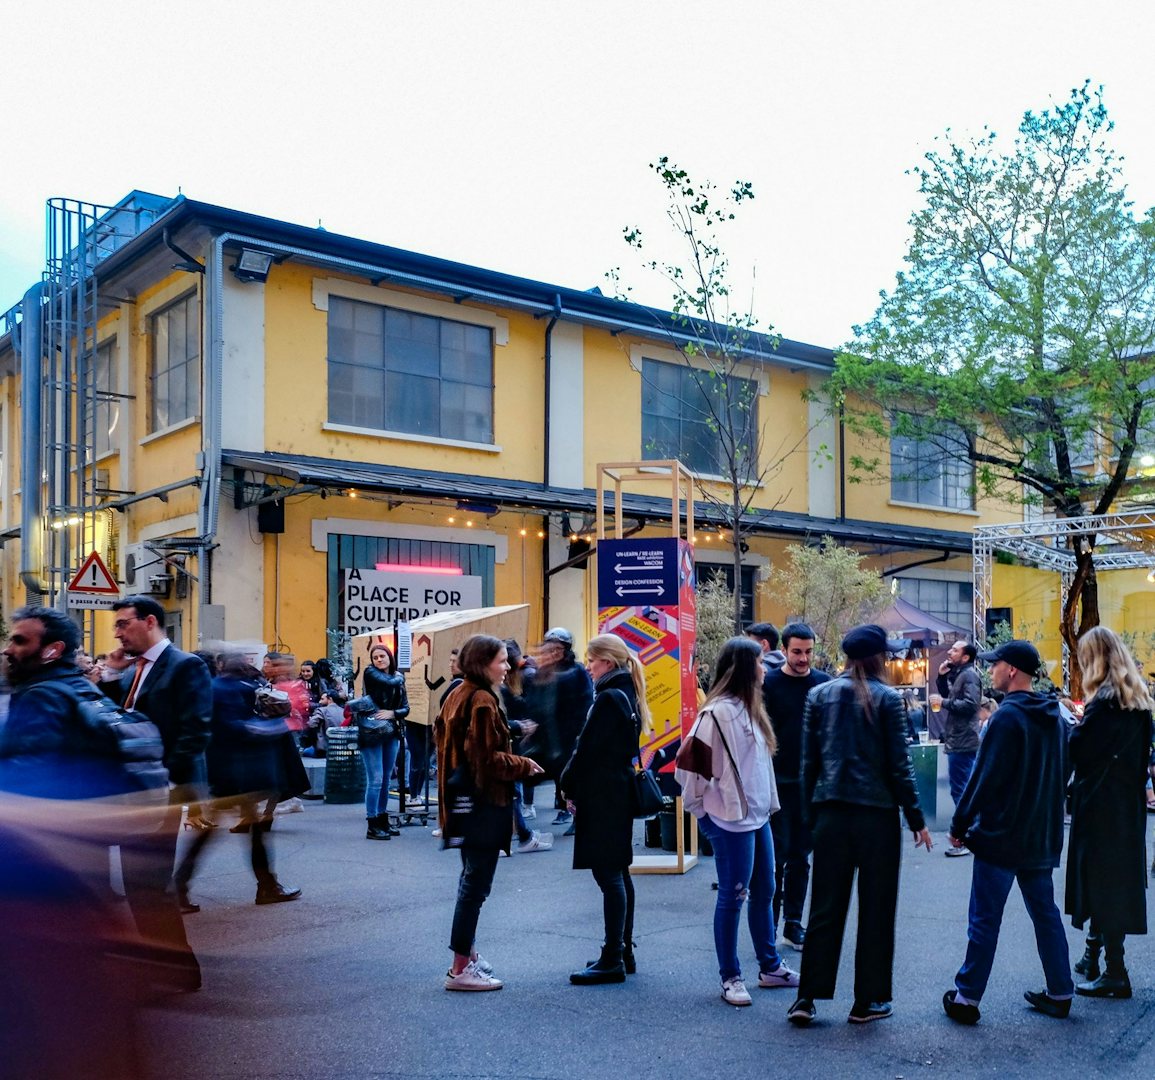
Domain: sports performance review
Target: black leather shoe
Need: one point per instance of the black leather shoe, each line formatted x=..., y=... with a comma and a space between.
x=1088, y=964
x=187, y=907
x=275, y=893
x=801, y=1012
x=628, y=961
x=865, y=1011
x=960, y=1014
x=1049, y=1006
x=1106, y=986
x=375, y=829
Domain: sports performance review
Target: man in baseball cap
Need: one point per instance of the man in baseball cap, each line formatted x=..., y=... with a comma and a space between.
x=1020, y=655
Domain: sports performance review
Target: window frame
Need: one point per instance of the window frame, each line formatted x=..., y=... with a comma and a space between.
x=936, y=475
x=190, y=362
x=687, y=449
x=391, y=365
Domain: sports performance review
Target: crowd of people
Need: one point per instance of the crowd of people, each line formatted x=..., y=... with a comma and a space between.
x=798, y=779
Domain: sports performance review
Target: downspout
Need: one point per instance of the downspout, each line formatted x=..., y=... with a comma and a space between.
x=841, y=462
x=31, y=463
x=546, y=573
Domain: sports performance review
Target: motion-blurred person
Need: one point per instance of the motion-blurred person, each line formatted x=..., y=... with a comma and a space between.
x=476, y=771
x=379, y=738
x=247, y=769
x=560, y=696
x=1011, y=817
x=856, y=775
x=784, y=693
x=521, y=725
x=599, y=780
x=174, y=690
x=1107, y=856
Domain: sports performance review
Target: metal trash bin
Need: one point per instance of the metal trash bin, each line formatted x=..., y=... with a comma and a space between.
x=344, y=769
x=924, y=757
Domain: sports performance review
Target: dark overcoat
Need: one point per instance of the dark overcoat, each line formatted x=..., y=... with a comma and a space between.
x=1107, y=854
x=600, y=777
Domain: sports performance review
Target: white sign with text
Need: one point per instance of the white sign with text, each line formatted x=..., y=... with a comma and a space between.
x=372, y=599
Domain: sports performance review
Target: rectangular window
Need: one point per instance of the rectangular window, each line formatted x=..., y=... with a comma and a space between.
x=175, y=372
x=102, y=410
x=951, y=601
x=395, y=370
x=696, y=416
x=932, y=471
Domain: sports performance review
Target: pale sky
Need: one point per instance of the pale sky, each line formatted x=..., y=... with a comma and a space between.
x=516, y=136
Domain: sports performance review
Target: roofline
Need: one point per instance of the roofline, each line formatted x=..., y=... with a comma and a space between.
x=457, y=279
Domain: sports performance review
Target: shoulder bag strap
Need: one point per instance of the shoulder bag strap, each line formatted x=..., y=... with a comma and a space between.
x=733, y=763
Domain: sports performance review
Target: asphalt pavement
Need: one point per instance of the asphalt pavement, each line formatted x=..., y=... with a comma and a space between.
x=348, y=980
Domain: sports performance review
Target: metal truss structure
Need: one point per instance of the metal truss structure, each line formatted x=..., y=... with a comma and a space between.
x=1123, y=541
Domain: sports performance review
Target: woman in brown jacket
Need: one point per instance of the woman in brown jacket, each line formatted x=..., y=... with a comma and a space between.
x=476, y=770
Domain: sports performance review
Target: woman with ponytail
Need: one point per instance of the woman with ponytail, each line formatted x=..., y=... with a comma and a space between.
x=599, y=782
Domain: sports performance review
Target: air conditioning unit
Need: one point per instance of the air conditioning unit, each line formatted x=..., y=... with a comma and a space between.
x=135, y=556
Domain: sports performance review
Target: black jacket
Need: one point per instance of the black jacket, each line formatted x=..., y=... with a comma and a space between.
x=599, y=777
x=784, y=696
x=849, y=756
x=387, y=692
x=1106, y=858
x=559, y=699
x=962, y=692
x=177, y=696
x=1011, y=812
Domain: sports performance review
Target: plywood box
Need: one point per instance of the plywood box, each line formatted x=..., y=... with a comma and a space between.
x=434, y=637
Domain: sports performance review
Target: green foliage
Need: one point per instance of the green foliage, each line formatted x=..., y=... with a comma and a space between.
x=828, y=587
x=715, y=623
x=1021, y=335
x=1000, y=634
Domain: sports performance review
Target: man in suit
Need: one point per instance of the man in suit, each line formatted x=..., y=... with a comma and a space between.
x=174, y=690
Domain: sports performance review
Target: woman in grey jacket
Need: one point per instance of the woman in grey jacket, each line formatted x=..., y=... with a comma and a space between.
x=856, y=773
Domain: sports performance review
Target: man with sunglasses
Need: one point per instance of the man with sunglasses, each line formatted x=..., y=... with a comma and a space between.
x=174, y=690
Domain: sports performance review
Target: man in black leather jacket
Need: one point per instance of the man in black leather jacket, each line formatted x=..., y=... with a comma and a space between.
x=856, y=773
x=960, y=691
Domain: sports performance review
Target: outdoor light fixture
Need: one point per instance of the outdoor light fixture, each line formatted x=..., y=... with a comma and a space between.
x=1147, y=460
x=252, y=265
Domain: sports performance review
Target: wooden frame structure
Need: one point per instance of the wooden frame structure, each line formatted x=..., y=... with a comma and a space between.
x=681, y=486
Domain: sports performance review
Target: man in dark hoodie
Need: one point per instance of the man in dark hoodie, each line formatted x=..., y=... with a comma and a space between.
x=1011, y=818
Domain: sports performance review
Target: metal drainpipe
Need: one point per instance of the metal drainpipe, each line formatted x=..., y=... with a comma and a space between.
x=545, y=472
x=31, y=464
x=841, y=463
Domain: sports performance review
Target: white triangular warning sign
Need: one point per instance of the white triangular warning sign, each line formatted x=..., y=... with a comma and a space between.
x=93, y=577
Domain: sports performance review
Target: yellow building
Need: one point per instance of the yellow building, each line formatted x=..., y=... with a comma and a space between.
x=245, y=416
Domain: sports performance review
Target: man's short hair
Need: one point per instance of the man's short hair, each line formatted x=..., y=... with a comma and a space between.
x=144, y=605
x=54, y=626
x=764, y=631
x=796, y=630
x=969, y=651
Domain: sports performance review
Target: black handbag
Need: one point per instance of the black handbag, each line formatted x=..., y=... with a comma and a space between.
x=647, y=796
x=371, y=730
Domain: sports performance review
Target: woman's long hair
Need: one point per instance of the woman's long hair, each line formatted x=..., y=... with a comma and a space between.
x=868, y=667
x=611, y=647
x=736, y=676
x=514, y=680
x=1110, y=671
x=476, y=655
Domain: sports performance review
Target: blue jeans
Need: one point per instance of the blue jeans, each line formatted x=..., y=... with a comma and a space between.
x=744, y=862
x=959, y=768
x=379, y=761
x=990, y=887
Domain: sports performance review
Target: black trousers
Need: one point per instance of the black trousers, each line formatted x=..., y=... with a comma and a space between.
x=617, y=908
x=792, y=844
x=850, y=839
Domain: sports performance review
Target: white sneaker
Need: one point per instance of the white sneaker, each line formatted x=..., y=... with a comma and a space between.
x=734, y=992
x=472, y=978
x=290, y=806
x=529, y=813
x=780, y=976
x=537, y=842
x=957, y=852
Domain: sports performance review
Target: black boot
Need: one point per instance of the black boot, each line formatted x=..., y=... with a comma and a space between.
x=376, y=828
x=1113, y=983
x=271, y=891
x=608, y=968
x=628, y=961
x=1088, y=966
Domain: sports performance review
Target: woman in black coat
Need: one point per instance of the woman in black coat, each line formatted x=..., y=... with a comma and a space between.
x=599, y=781
x=1107, y=854
x=250, y=762
x=386, y=687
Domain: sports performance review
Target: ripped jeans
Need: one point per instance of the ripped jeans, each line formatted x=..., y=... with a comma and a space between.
x=744, y=862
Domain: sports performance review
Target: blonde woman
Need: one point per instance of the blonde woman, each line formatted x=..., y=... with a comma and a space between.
x=599, y=782
x=1106, y=858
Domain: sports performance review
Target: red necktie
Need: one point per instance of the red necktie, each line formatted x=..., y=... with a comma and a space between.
x=131, y=699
